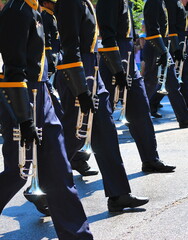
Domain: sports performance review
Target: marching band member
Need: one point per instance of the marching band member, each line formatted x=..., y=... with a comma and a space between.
x=52, y=47
x=177, y=26
x=156, y=54
x=78, y=33
x=25, y=69
x=115, y=24
x=52, y=43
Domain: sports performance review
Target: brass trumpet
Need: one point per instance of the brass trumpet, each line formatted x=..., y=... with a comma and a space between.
x=179, y=64
x=84, y=126
x=32, y=171
x=162, y=74
x=123, y=100
x=33, y=193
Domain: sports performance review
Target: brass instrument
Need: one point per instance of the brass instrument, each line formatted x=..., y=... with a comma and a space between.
x=33, y=193
x=179, y=64
x=32, y=171
x=162, y=74
x=84, y=126
x=123, y=100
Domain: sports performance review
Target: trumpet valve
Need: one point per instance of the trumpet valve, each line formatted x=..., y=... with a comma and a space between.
x=16, y=134
x=77, y=104
x=113, y=80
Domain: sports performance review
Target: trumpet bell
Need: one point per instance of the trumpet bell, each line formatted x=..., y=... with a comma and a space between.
x=163, y=91
x=122, y=118
x=34, y=189
x=86, y=148
x=36, y=196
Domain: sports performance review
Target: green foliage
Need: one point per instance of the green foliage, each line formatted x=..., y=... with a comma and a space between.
x=138, y=6
x=4, y=1
x=94, y=2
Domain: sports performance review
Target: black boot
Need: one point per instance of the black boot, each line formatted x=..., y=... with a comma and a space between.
x=39, y=201
x=83, y=168
x=117, y=204
x=157, y=166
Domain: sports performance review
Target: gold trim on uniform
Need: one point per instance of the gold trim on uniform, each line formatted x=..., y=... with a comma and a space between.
x=109, y=49
x=2, y=76
x=96, y=28
x=69, y=65
x=13, y=84
x=130, y=25
x=167, y=27
x=47, y=10
x=173, y=35
x=42, y=65
x=33, y=4
x=48, y=48
x=152, y=37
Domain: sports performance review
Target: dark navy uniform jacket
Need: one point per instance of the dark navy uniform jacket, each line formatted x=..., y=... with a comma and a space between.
x=52, y=43
x=119, y=21
x=115, y=28
x=80, y=39
x=176, y=18
x=20, y=68
x=156, y=19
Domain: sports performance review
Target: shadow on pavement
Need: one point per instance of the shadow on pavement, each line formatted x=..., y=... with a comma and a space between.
x=32, y=224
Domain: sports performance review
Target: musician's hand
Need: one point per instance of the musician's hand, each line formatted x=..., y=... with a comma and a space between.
x=86, y=102
x=51, y=67
x=121, y=80
x=162, y=60
x=28, y=133
x=178, y=55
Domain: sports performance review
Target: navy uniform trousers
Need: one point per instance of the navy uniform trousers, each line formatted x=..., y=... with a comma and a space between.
x=172, y=86
x=104, y=136
x=137, y=108
x=184, y=85
x=55, y=174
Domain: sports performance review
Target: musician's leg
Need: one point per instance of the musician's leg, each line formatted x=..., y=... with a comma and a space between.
x=176, y=99
x=150, y=76
x=55, y=177
x=184, y=85
x=140, y=123
x=106, y=148
x=154, y=103
x=10, y=180
x=78, y=160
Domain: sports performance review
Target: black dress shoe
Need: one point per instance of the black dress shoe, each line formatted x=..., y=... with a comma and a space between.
x=159, y=105
x=39, y=201
x=117, y=204
x=84, y=169
x=183, y=124
x=157, y=166
x=156, y=115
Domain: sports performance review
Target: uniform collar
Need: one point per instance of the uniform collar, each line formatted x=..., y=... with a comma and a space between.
x=32, y=3
x=47, y=10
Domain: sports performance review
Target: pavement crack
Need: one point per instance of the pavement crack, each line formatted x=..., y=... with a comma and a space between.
x=153, y=215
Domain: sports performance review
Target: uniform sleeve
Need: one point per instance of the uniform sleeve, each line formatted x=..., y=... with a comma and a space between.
x=69, y=16
x=108, y=16
x=14, y=34
x=108, y=22
x=47, y=23
x=47, y=29
x=151, y=16
x=172, y=16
